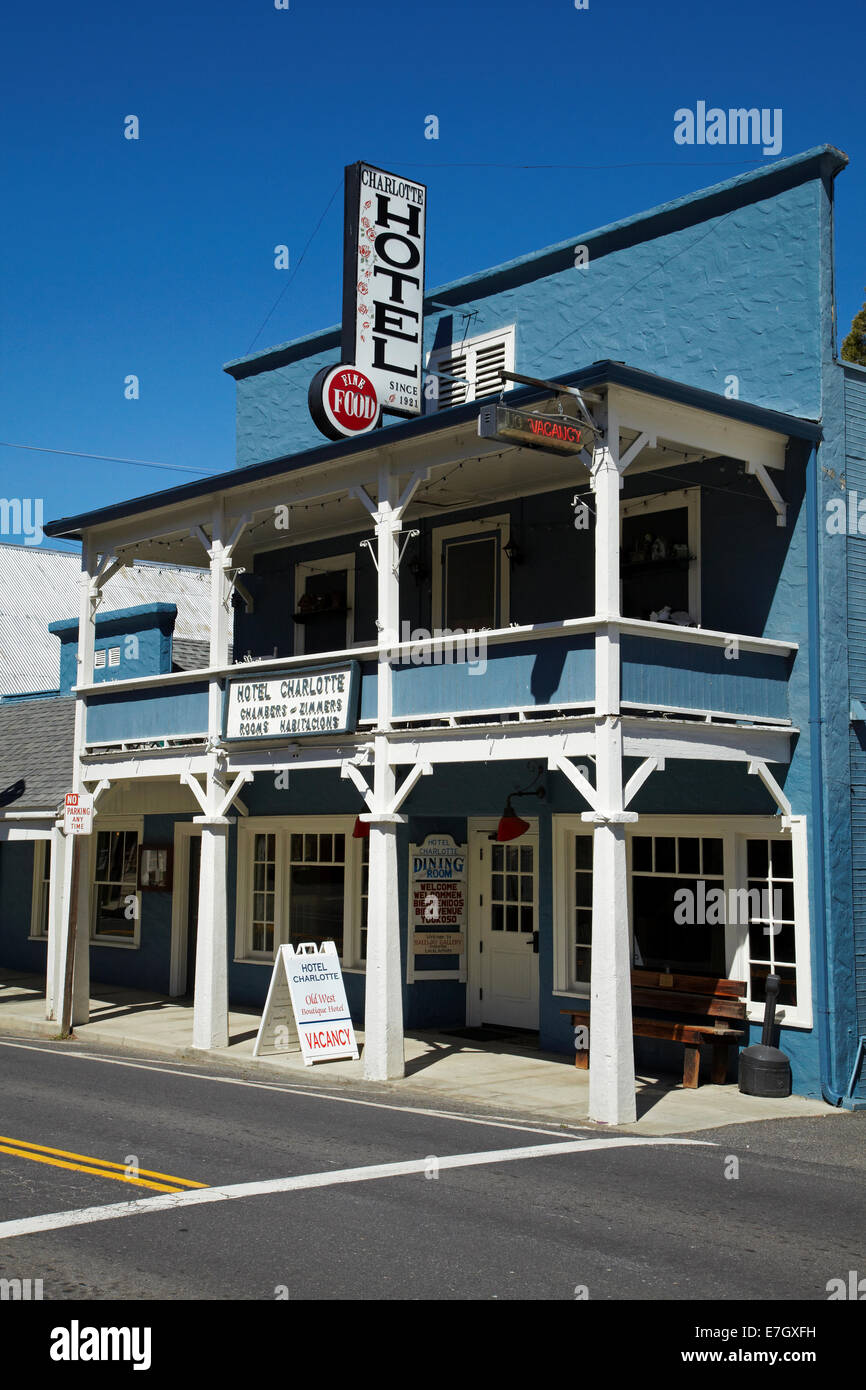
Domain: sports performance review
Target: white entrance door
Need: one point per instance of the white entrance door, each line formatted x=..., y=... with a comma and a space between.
x=503, y=980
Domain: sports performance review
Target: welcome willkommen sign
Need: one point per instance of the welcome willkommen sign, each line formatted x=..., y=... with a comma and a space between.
x=306, y=1006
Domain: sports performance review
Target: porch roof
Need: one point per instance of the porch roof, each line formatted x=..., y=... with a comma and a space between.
x=597, y=374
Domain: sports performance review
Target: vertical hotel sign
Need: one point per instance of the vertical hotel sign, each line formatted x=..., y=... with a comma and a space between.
x=383, y=284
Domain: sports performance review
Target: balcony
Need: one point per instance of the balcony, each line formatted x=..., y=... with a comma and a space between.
x=158, y=713
x=548, y=669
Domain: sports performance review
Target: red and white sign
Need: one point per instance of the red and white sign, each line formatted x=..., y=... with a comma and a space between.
x=343, y=402
x=309, y=982
x=78, y=813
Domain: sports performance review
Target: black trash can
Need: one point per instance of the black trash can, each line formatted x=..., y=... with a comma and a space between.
x=765, y=1070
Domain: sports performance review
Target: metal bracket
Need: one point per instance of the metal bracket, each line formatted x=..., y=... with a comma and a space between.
x=410, y=535
x=368, y=545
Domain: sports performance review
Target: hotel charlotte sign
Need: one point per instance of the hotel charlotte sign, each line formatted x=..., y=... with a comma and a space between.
x=293, y=704
x=383, y=306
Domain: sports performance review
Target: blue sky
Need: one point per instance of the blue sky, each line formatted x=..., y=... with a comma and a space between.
x=155, y=257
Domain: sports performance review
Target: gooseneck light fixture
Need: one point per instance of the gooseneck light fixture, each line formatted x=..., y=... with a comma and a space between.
x=511, y=826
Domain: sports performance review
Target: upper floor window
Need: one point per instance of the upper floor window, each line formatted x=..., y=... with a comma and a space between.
x=469, y=369
x=660, y=559
x=324, y=604
x=470, y=580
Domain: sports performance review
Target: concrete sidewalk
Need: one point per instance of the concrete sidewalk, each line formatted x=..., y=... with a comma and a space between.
x=441, y=1070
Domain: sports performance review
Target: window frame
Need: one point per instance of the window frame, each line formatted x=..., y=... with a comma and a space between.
x=107, y=824
x=501, y=523
x=284, y=827
x=690, y=498
x=40, y=882
x=734, y=831
x=332, y=564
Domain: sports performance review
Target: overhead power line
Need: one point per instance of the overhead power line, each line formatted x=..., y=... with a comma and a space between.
x=105, y=458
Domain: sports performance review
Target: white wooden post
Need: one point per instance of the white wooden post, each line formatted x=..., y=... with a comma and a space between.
x=611, y=1054
x=210, y=1027
x=58, y=895
x=210, y=1002
x=88, y=599
x=383, y=1023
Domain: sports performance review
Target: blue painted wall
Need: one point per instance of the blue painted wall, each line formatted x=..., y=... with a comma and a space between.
x=16, y=897
x=147, y=967
x=717, y=284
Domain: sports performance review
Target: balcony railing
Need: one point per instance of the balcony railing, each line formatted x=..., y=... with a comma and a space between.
x=523, y=670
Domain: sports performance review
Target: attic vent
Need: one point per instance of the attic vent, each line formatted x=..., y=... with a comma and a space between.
x=114, y=656
x=99, y=659
x=477, y=362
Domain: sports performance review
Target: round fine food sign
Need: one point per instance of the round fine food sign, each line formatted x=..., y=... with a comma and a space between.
x=343, y=402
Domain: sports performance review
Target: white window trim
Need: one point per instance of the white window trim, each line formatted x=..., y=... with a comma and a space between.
x=690, y=498
x=468, y=347
x=283, y=827
x=178, y=983
x=331, y=563
x=36, y=894
x=733, y=831
x=135, y=823
x=500, y=523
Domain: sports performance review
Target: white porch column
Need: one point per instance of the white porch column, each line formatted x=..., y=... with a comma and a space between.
x=383, y=1023
x=211, y=1000
x=80, y=1013
x=210, y=1026
x=58, y=895
x=611, y=1049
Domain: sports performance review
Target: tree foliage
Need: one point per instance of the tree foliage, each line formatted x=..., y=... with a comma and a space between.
x=854, y=346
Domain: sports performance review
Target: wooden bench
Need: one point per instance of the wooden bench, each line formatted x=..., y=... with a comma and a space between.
x=699, y=1010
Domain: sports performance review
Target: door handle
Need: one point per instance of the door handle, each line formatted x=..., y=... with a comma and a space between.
x=533, y=941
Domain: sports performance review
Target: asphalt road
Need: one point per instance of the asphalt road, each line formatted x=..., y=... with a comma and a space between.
x=649, y=1220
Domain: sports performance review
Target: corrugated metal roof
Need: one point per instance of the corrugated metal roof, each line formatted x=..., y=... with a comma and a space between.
x=39, y=586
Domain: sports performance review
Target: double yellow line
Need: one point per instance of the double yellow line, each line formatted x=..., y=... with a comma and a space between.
x=100, y=1167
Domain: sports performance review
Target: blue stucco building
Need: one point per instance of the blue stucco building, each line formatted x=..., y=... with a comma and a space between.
x=655, y=647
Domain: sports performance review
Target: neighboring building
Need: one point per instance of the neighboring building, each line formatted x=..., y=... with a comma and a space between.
x=719, y=753
x=37, y=752
x=39, y=586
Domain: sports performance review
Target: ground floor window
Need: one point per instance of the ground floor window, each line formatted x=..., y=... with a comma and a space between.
x=41, y=889
x=301, y=879
x=724, y=897
x=665, y=871
x=116, y=903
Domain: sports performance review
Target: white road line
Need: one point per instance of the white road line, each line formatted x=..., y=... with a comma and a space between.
x=491, y=1122
x=83, y=1216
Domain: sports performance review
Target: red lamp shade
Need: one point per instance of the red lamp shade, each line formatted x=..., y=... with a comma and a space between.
x=361, y=830
x=510, y=826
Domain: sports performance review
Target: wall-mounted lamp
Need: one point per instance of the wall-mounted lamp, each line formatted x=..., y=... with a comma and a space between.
x=514, y=553
x=511, y=826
